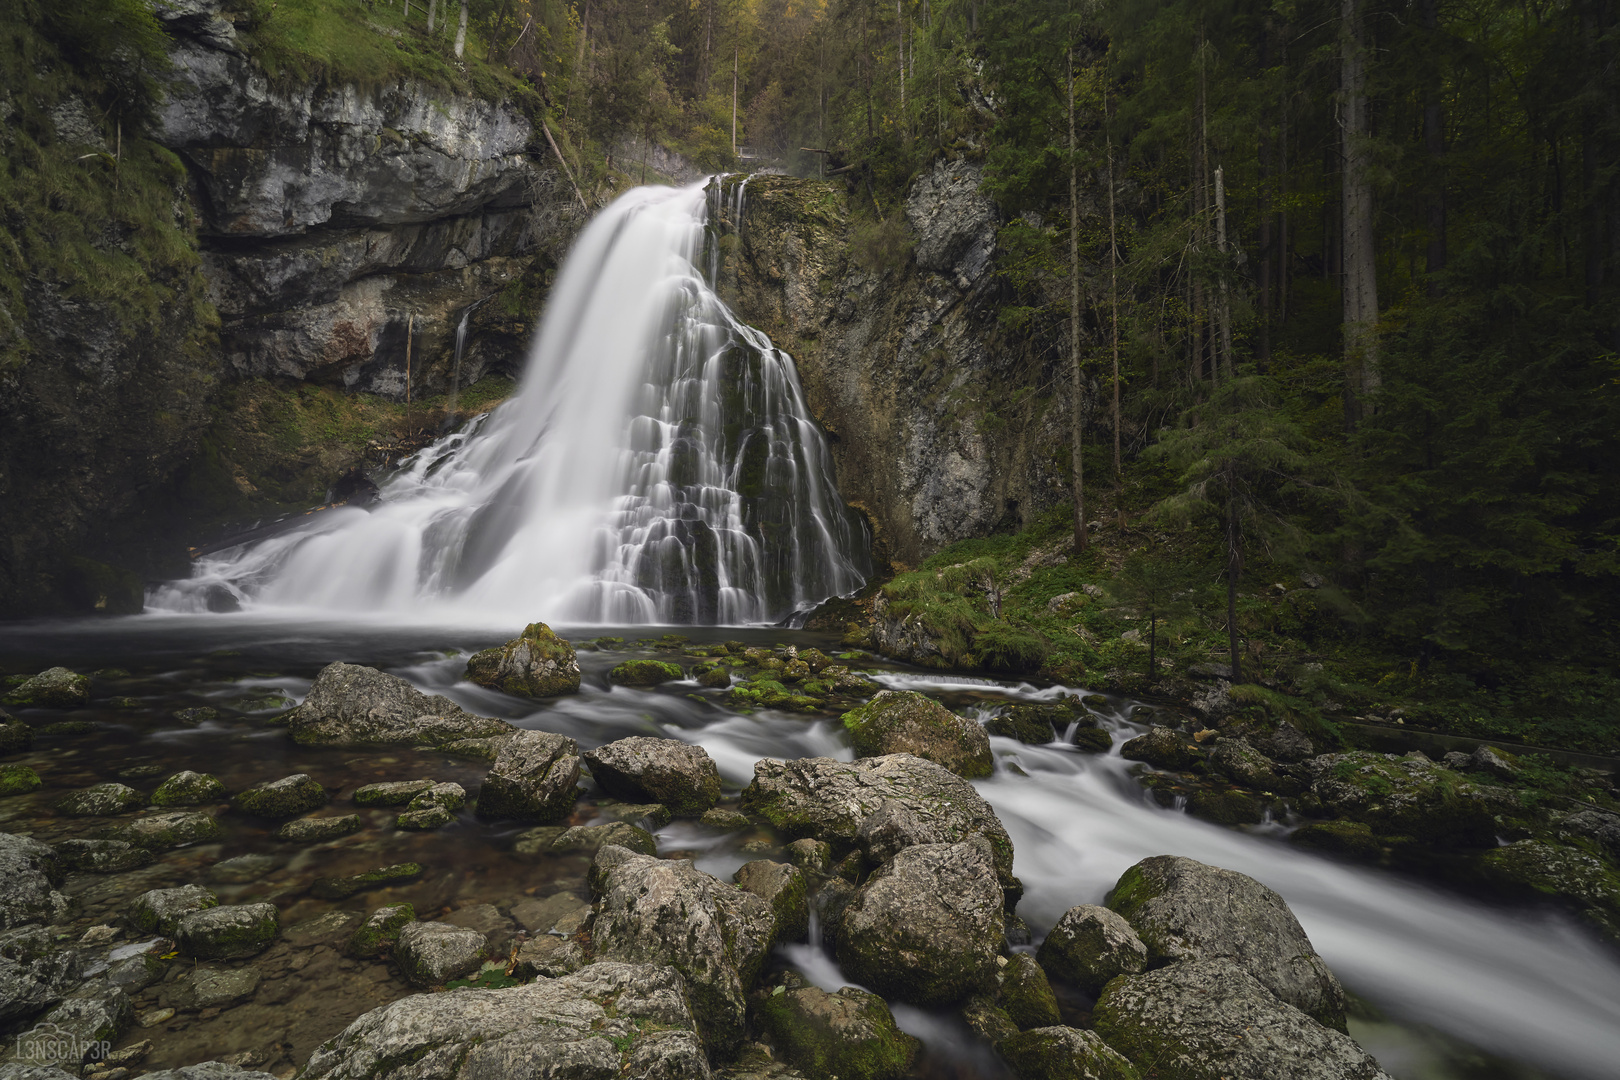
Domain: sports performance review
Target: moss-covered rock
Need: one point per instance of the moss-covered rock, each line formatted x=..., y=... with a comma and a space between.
x=906, y=722
x=851, y=1034
x=1540, y=867
x=433, y=807
x=1163, y=748
x=1226, y=806
x=586, y=839
x=1036, y=724
x=1404, y=796
x=353, y=705
x=345, y=887
x=161, y=910
x=174, y=828
x=1352, y=839
x=102, y=800
x=379, y=932
x=296, y=794
x=17, y=780
x=714, y=676
x=765, y=692
x=319, y=830
x=535, y=777
x=640, y=769
x=1065, y=1053
x=1026, y=994
x=102, y=856
x=537, y=663
x=1090, y=946
x=228, y=933
x=188, y=789
x=645, y=673
x=53, y=688
x=785, y=888
x=1093, y=741
x=15, y=736
x=390, y=793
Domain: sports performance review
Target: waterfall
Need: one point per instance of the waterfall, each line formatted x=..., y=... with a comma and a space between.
x=658, y=464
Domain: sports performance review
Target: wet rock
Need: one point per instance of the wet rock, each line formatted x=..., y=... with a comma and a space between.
x=988, y=1020
x=1161, y=747
x=1403, y=796
x=713, y=676
x=174, y=828
x=1226, y=807
x=321, y=929
x=642, y=815
x=1494, y=762
x=18, y=780
x=1091, y=945
x=1064, y=1053
x=97, y=1012
x=488, y=921
x=208, y=1070
x=1090, y=740
x=1242, y=764
x=1540, y=867
x=291, y=795
x=537, y=663
x=33, y=972
x=604, y=1021
x=1203, y=1015
x=905, y=722
x=1286, y=743
x=432, y=808
x=1591, y=824
x=589, y=838
x=29, y=870
x=785, y=889
x=243, y=868
x=53, y=688
x=188, y=789
x=927, y=927
x=317, y=830
x=657, y=911
x=221, y=987
x=351, y=705
x=811, y=856
x=381, y=930
x=832, y=801
x=345, y=887
x=194, y=716
x=645, y=673
x=536, y=777
x=102, y=800
x=486, y=749
x=1352, y=839
x=563, y=913
x=1025, y=993
x=851, y=1034
x=391, y=793
x=228, y=933
x=1185, y=910
x=1038, y=724
x=433, y=953
x=102, y=856
x=549, y=956
x=161, y=910
x=678, y=775
x=15, y=736
x=135, y=967
x=723, y=817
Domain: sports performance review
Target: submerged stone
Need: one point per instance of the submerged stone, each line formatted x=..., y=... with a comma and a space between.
x=188, y=789
x=174, y=828
x=102, y=856
x=162, y=909
x=390, y=793
x=316, y=830
x=18, y=780
x=345, y=887
x=103, y=800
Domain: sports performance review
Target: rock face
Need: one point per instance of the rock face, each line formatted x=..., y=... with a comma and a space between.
x=905, y=722
x=536, y=777
x=1091, y=945
x=1185, y=910
x=29, y=870
x=658, y=911
x=642, y=770
x=33, y=973
x=881, y=804
x=537, y=663
x=850, y=1034
x=928, y=925
x=432, y=953
x=605, y=1021
x=1211, y=1019
x=351, y=705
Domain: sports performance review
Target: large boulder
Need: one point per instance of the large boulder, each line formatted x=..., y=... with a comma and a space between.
x=851, y=1034
x=840, y=803
x=102, y=800
x=228, y=933
x=1403, y=796
x=291, y=795
x=160, y=910
x=351, y=705
x=661, y=911
x=1090, y=946
x=1540, y=867
x=1185, y=910
x=537, y=663
x=1064, y=1053
x=1026, y=994
x=1161, y=747
x=33, y=972
x=535, y=777
x=785, y=888
x=188, y=788
x=906, y=722
x=53, y=688
x=643, y=770
x=1039, y=723
x=927, y=927
x=433, y=953
x=29, y=872
x=170, y=829
x=603, y=1022
x=1213, y=1020
x=1242, y=764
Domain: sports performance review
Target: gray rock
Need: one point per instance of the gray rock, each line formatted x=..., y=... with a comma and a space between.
x=380, y=930
x=906, y=722
x=296, y=794
x=391, y=793
x=1026, y=994
x=723, y=817
x=927, y=926
x=1403, y=796
x=1242, y=764
x=28, y=872
x=1286, y=743
x=811, y=856
x=345, y=887
x=605, y=1021
x=1091, y=945
x=53, y=688
x=135, y=967
x=161, y=910
x=658, y=911
x=171, y=829
x=561, y=912
x=1490, y=760
x=33, y=973
x=1161, y=747
x=1593, y=824
x=97, y=1012
x=222, y=987
x=680, y=776
x=1064, y=1053
x=851, y=1034
x=1185, y=910
x=922, y=803
x=200, y=20
x=487, y=920
x=228, y=933
x=102, y=856
x=433, y=807
x=1205, y=1016
x=954, y=224
x=549, y=956
x=188, y=789
x=433, y=953
x=242, y=869
x=351, y=705
x=537, y=663
x=316, y=830
x=102, y=800
x=785, y=889
x=536, y=777
x=208, y=1070
x=587, y=838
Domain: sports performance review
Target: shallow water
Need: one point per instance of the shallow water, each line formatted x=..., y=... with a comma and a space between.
x=1452, y=987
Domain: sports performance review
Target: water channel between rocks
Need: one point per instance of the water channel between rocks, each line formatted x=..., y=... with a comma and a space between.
x=1452, y=989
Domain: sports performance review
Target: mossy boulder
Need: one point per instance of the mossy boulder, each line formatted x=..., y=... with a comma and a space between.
x=433, y=808
x=785, y=888
x=1404, y=796
x=535, y=777
x=379, y=932
x=587, y=839
x=53, y=688
x=536, y=664
x=291, y=795
x=1242, y=764
x=1093, y=741
x=160, y=910
x=15, y=736
x=188, y=789
x=645, y=673
x=1064, y=1053
x=645, y=770
x=102, y=856
x=102, y=800
x=391, y=792
x=1352, y=839
x=1026, y=994
x=1561, y=871
x=342, y=888
x=319, y=830
x=1226, y=806
x=1037, y=724
x=714, y=676
x=906, y=722
x=171, y=829
x=17, y=780
x=1091, y=945
x=765, y=692
x=1163, y=748
x=228, y=933
x=850, y=1034
x=351, y=705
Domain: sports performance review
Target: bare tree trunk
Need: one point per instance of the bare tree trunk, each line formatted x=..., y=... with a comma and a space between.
x=1223, y=316
x=1360, y=285
x=900, y=33
x=461, y=31
x=736, y=51
x=433, y=7
x=1113, y=295
x=1077, y=402
x=1263, y=349
x=579, y=60
x=1234, y=570
x=1434, y=143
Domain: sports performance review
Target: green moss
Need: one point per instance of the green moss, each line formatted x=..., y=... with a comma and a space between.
x=1352, y=839
x=17, y=780
x=644, y=673
x=551, y=669
x=766, y=693
x=801, y=1024
x=378, y=934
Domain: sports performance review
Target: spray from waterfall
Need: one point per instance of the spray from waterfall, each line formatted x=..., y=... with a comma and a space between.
x=658, y=464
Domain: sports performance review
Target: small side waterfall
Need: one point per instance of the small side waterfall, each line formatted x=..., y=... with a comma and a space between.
x=657, y=465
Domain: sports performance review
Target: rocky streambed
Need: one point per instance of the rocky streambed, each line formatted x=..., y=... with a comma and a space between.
x=751, y=855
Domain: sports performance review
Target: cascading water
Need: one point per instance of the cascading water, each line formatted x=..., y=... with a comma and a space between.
x=657, y=465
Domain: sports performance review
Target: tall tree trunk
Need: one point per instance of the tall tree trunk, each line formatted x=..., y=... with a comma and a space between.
x=704, y=63
x=1223, y=316
x=1077, y=402
x=1434, y=143
x=1234, y=570
x=900, y=35
x=579, y=62
x=1113, y=295
x=736, y=53
x=1360, y=284
x=461, y=31
x=1284, y=259
x=433, y=7
x=1263, y=210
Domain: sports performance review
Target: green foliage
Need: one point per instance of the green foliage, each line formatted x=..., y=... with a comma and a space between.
x=881, y=246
